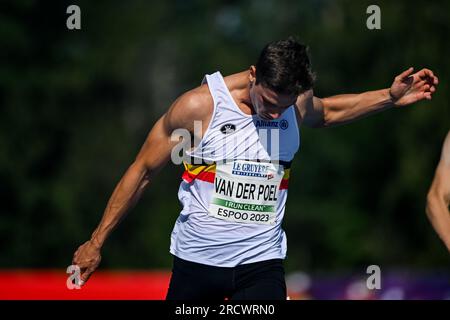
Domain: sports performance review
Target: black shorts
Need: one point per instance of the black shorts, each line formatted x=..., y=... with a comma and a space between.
x=254, y=281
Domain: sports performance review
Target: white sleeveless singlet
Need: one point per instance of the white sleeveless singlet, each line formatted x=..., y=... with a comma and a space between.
x=234, y=188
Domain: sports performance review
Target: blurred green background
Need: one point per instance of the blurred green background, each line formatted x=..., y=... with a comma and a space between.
x=75, y=107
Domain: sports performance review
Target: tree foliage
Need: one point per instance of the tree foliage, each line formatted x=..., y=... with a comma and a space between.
x=76, y=105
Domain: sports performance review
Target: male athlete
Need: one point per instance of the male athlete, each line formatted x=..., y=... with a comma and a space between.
x=227, y=241
x=439, y=196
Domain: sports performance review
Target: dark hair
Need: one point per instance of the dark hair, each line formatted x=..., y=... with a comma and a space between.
x=284, y=67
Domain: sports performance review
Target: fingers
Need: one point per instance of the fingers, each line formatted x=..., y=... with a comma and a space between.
x=87, y=260
x=405, y=74
x=420, y=84
x=425, y=73
x=426, y=87
x=424, y=95
x=426, y=83
x=84, y=277
x=75, y=257
x=428, y=75
x=436, y=81
x=425, y=90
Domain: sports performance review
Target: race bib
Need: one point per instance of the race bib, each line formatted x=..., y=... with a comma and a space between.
x=246, y=191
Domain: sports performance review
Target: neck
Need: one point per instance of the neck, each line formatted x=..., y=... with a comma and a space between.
x=242, y=93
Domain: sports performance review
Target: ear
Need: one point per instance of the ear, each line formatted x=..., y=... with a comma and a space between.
x=252, y=73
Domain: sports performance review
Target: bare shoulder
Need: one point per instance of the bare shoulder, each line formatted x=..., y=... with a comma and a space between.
x=237, y=81
x=310, y=110
x=194, y=105
x=237, y=84
x=304, y=101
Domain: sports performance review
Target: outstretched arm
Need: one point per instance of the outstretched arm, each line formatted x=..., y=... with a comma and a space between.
x=406, y=89
x=438, y=198
x=154, y=154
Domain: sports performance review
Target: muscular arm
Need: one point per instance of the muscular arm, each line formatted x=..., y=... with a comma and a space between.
x=438, y=198
x=154, y=154
x=406, y=89
x=342, y=109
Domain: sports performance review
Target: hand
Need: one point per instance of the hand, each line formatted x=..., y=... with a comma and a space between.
x=409, y=88
x=87, y=258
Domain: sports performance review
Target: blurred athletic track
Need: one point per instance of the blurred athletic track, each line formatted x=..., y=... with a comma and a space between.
x=113, y=285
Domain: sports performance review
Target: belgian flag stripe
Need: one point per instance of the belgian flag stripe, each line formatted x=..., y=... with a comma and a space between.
x=208, y=172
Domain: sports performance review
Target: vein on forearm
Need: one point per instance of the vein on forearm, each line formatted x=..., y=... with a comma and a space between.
x=125, y=196
x=346, y=108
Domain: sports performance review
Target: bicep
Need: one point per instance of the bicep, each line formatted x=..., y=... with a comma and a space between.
x=173, y=129
x=156, y=150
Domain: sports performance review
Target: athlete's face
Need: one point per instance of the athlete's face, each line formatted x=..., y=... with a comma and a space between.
x=268, y=104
